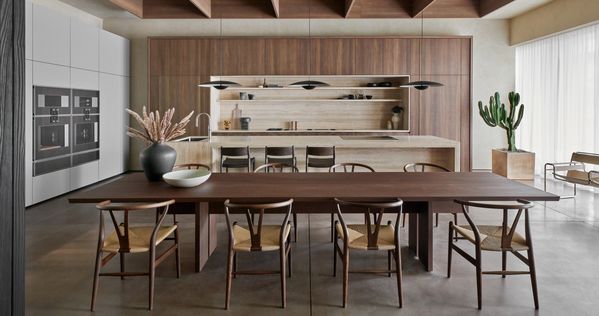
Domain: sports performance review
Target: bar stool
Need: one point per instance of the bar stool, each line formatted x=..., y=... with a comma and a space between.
x=284, y=155
x=427, y=167
x=320, y=157
x=502, y=238
x=237, y=158
x=256, y=237
x=279, y=168
x=368, y=236
x=127, y=238
x=347, y=167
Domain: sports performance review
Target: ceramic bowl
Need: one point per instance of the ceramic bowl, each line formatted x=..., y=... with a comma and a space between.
x=186, y=178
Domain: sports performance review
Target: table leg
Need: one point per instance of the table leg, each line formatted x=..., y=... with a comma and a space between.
x=205, y=235
x=425, y=236
x=413, y=232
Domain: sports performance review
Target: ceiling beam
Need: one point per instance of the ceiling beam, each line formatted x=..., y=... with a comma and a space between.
x=488, y=6
x=136, y=7
x=275, y=7
x=205, y=6
x=349, y=4
x=419, y=5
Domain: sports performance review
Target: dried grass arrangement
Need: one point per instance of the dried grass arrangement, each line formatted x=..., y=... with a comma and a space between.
x=156, y=129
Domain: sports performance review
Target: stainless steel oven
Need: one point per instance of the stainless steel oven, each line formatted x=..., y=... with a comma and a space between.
x=51, y=141
x=51, y=101
x=86, y=102
x=86, y=133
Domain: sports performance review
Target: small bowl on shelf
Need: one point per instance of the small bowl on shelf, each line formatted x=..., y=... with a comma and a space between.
x=369, y=97
x=186, y=178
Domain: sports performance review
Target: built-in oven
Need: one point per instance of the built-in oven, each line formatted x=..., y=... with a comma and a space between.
x=51, y=101
x=86, y=102
x=51, y=141
x=86, y=133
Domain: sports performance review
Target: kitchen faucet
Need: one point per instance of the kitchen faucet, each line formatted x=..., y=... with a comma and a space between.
x=209, y=124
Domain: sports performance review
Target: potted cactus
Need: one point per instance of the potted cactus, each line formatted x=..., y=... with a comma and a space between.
x=511, y=162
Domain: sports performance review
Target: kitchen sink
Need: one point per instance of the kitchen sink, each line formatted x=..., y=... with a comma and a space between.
x=367, y=137
x=191, y=139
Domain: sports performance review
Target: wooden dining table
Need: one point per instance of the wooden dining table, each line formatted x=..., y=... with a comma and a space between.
x=422, y=193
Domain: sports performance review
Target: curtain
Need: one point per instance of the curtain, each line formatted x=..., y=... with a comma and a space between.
x=558, y=82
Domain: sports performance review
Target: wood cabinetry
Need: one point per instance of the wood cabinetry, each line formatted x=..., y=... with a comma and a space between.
x=177, y=65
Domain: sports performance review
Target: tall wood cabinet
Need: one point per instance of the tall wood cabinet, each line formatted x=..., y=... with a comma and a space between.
x=177, y=65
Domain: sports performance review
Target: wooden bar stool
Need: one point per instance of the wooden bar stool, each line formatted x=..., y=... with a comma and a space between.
x=368, y=236
x=427, y=167
x=237, y=158
x=278, y=168
x=257, y=237
x=502, y=238
x=320, y=157
x=128, y=238
x=347, y=167
x=284, y=155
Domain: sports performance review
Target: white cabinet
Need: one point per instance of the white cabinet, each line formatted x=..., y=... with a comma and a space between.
x=28, y=133
x=51, y=184
x=84, y=45
x=84, y=79
x=51, y=36
x=49, y=75
x=84, y=175
x=114, y=54
x=28, y=30
x=113, y=94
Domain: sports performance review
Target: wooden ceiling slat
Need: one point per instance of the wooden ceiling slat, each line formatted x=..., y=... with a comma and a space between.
x=419, y=6
x=488, y=6
x=205, y=6
x=348, y=6
x=133, y=6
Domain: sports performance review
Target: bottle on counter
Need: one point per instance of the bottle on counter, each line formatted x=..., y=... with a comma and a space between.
x=235, y=116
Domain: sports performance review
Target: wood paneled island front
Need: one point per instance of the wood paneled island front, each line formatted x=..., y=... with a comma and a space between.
x=383, y=153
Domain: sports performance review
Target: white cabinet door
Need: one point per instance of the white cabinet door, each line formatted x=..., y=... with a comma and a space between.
x=28, y=133
x=114, y=54
x=112, y=124
x=48, y=75
x=84, y=175
x=52, y=184
x=84, y=79
x=51, y=36
x=28, y=29
x=84, y=45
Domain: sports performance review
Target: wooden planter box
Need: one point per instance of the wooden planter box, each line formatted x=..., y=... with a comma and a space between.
x=518, y=165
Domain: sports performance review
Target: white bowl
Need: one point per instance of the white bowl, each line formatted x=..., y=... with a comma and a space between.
x=186, y=178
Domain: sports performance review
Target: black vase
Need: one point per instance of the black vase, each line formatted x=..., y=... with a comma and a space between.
x=156, y=160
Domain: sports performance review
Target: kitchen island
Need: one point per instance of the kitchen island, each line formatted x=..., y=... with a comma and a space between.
x=383, y=153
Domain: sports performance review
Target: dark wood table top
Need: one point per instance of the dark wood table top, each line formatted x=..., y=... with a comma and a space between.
x=313, y=187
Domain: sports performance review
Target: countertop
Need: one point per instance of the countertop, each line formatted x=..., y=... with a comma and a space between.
x=306, y=132
x=362, y=141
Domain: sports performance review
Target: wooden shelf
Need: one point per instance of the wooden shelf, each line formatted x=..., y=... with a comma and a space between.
x=319, y=88
x=311, y=100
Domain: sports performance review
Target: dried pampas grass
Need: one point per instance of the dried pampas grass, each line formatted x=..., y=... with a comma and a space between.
x=157, y=130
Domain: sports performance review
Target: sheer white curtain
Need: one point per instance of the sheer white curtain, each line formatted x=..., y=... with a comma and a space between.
x=558, y=82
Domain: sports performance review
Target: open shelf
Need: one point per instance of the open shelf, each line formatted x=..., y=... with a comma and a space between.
x=311, y=100
x=319, y=88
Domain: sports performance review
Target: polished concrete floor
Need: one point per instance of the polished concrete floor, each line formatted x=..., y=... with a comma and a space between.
x=61, y=239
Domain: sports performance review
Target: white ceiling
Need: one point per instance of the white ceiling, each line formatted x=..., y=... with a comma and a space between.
x=105, y=9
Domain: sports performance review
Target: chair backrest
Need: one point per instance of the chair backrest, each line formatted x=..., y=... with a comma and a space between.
x=374, y=209
x=507, y=231
x=588, y=158
x=320, y=157
x=351, y=167
x=424, y=167
x=279, y=151
x=122, y=229
x=235, y=152
x=276, y=167
x=192, y=166
x=261, y=209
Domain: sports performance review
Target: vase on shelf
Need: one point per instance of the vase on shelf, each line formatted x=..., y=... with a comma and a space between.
x=157, y=159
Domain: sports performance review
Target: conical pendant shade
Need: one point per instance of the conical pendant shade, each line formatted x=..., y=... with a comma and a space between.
x=309, y=84
x=421, y=84
x=219, y=84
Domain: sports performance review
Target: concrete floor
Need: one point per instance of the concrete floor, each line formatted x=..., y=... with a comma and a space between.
x=61, y=239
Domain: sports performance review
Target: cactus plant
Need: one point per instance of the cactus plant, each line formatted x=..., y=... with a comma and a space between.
x=495, y=114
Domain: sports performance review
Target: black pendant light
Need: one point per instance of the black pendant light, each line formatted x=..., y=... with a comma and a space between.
x=421, y=84
x=309, y=84
x=220, y=84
